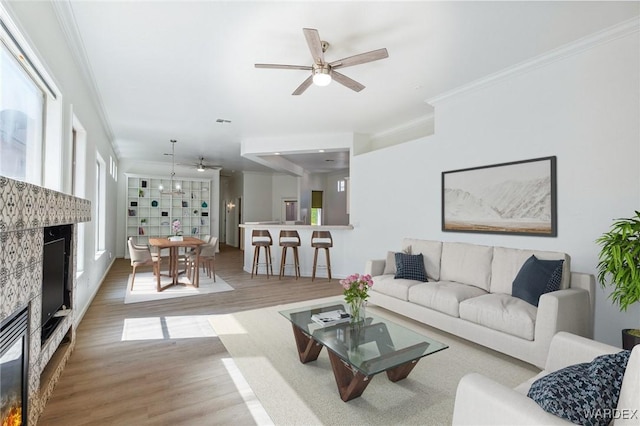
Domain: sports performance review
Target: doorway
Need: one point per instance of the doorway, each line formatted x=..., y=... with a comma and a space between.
x=289, y=210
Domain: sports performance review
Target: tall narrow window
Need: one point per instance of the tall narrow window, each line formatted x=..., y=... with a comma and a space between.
x=21, y=121
x=316, y=207
x=341, y=185
x=100, y=201
x=78, y=179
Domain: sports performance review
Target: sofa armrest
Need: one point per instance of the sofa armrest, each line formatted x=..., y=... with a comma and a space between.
x=482, y=401
x=375, y=267
x=568, y=349
x=563, y=310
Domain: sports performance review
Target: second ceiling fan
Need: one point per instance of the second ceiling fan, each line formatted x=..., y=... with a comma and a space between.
x=323, y=72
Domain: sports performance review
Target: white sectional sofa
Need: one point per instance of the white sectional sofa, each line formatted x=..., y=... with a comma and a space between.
x=468, y=294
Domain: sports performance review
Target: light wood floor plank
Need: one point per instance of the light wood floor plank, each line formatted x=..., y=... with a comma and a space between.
x=108, y=381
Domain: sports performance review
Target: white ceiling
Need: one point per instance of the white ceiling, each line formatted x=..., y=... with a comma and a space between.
x=168, y=69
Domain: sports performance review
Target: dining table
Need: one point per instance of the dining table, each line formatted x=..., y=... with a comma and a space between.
x=174, y=246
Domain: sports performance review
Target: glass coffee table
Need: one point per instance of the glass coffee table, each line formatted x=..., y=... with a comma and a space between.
x=359, y=351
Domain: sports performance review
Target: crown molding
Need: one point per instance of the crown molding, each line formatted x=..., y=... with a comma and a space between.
x=614, y=32
x=64, y=12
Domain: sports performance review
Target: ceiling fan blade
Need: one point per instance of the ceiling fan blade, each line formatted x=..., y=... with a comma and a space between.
x=346, y=81
x=362, y=58
x=315, y=45
x=284, y=67
x=304, y=86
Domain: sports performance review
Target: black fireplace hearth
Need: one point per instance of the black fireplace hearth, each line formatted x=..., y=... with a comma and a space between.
x=14, y=365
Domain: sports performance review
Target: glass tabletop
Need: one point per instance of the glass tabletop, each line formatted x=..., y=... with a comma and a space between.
x=371, y=347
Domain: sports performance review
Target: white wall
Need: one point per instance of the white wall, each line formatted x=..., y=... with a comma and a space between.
x=583, y=109
x=38, y=23
x=257, y=196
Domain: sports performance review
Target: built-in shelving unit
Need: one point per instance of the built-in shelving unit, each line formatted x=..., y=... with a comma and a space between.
x=151, y=211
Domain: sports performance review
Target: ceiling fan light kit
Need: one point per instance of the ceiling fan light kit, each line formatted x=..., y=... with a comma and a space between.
x=321, y=75
x=323, y=72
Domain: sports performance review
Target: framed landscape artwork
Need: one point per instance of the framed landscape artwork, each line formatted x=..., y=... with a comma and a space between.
x=510, y=198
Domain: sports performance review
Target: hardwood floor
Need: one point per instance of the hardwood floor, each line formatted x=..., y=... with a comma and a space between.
x=163, y=380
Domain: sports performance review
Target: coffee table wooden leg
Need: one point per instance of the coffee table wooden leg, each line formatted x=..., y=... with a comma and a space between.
x=308, y=349
x=351, y=383
x=402, y=371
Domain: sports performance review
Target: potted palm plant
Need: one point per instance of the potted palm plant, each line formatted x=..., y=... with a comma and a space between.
x=619, y=267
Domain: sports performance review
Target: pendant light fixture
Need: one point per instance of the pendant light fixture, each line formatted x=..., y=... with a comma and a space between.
x=173, y=189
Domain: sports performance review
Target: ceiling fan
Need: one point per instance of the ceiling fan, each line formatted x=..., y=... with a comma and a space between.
x=201, y=166
x=323, y=72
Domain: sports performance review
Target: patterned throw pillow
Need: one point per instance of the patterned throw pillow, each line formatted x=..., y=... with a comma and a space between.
x=585, y=394
x=535, y=278
x=410, y=267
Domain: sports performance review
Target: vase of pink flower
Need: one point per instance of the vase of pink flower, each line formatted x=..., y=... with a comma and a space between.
x=176, y=227
x=356, y=288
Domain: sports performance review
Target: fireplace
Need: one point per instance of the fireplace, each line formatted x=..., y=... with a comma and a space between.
x=14, y=366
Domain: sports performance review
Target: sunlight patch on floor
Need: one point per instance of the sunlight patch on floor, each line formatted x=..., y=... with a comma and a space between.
x=226, y=324
x=251, y=401
x=166, y=328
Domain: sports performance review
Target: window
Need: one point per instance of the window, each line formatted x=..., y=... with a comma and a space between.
x=341, y=185
x=78, y=184
x=113, y=168
x=316, y=207
x=100, y=201
x=21, y=121
x=30, y=113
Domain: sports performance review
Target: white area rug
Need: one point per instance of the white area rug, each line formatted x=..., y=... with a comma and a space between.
x=262, y=345
x=144, y=288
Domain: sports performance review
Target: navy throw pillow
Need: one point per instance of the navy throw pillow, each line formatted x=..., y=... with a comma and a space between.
x=410, y=267
x=535, y=278
x=586, y=393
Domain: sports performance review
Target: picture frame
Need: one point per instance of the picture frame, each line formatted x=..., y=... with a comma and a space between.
x=517, y=198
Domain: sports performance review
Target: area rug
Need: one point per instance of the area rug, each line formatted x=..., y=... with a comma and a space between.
x=262, y=346
x=144, y=288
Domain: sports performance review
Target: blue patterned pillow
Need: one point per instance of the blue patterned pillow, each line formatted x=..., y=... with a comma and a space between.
x=584, y=394
x=535, y=278
x=410, y=267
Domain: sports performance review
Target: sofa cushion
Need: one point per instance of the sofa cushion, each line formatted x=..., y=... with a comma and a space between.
x=443, y=296
x=410, y=267
x=466, y=264
x=390, y=263
x=537, y=277
x=431, y=252
x=389, y=285
x=507, y=262
x=501, y=312
x=583, y=393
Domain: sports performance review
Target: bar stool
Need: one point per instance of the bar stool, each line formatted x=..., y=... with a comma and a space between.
x=289, y=239
x=261, y=238
x=321, y=240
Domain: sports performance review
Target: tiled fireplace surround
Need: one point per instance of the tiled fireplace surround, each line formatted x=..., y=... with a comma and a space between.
x=25, y=210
